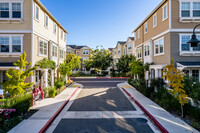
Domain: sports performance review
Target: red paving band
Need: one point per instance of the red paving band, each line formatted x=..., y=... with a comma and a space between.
x=48, y=124
x=162, y=129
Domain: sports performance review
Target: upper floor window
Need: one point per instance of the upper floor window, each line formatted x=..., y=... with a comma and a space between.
x=159, y=46
x=61, y=32
x=54, y=51
x=43, y=47
x=77, y=53
x=129, y=46
x=190, y=9
x=85, y=52
x=61, y=54
x=139, y=52
x=165, y=13
x=118, y=50
x=155, y=20
x=46, y=20
x=138, y=33
x=54, y=28
x=124, y=51
x=145, y=27
x=146, y=50
x=10, y=10
x=185, y=46
x=69, y=51
x=11, y=44
x=64, y=36
x=37, y=10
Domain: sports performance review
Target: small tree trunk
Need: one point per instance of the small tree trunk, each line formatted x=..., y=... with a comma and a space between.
x=181, y=111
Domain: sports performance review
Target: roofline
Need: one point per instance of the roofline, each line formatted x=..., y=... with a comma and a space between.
x=47, y=11
x=150, y=15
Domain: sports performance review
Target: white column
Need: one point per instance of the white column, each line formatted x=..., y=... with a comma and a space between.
x=52, y=78
x=45, y=74
x=156, y=73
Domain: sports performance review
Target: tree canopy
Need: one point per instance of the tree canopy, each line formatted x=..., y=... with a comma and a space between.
x=46, y=63
x=123, y=63
x=99, y=59
x=136, y=67
x=16, y=83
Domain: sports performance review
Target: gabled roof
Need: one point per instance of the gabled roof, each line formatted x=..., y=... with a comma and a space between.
x=131, y=38
x=110, y=49
x=76, y=46
x=121, y=42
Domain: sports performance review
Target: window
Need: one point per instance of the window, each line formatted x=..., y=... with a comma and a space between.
x=165, y=14
x=16, y=10
x=85, y=52
x=185, y=46
x=61, y=34
x=4, y=10
x=54, y=51
x=124, y=51
x=77, y=53
x=145, y=27
x=185, y=9
x=155, y=20
x=130, y=46
x=64, y=36
x=42, y=48
x=139, y=52
x=69, y=51
x=196, y=9
x=54, y=28
x=118, y=50
x=146, y=50
x=46, y=21
x=190, y=9
x=10, y=44
x=37, y=12
x=138, y=33
x=195, y=74
x=159, y=46
x=61, y=54
x=11, y=10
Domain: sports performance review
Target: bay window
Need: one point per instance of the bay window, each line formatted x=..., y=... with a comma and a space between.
x=159, y=46
x=43, y=48
x=10, y=10
x=146, y=50
x=61, y=54
x=139, y=52
x=10, y=44
x=54, y=51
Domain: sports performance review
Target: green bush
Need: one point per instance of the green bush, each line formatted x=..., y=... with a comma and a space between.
x=93, y=72
x=21, y=103
x=59, y=83
x=46, y=89
x=52, y=92
x=105, y=73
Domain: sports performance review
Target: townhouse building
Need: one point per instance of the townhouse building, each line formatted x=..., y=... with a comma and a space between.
x=123, y=48
x=164, y=34
x=83, y=51
x=27, y=26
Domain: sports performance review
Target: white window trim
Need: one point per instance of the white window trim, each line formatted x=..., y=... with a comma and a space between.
x=154, y=20
x=43, y=55
x=63, y=54
x=52, y=51
x=10, y=45
x=61, y=34
x=46, y=26
x=166, y=5
x=38, y=20
x=147, y=44
x=163, y=47
x=144, y=28
x=186, y=52
x=53, y=28
x=10, y=10
x=191, y=9
x=141, y=52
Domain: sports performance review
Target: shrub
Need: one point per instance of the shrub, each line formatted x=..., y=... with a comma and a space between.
x=93, y=72
x=46, y=89
x=21, y=103
x=105, y=73
x=59, y=83
x=52, y=92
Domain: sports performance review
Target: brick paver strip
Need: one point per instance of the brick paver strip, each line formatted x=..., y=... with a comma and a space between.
x=46, y=126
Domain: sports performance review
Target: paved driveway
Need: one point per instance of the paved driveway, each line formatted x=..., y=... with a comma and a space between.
x=101, y=107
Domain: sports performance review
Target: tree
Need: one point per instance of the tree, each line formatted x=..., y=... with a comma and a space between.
x=100, y=59
x=123, y=63
x=46, y=63
x=71, y=62
x=136, y=67
x=16, y=83
x=176, y=79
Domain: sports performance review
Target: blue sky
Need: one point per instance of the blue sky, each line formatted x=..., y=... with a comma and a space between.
x=99, y=22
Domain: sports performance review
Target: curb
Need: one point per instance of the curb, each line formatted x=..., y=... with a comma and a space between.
x=162, y=129
x=47, y=125
x=99, y=77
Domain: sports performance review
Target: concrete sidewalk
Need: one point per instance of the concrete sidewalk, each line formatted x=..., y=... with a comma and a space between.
x=169, y=122
x=46, y=109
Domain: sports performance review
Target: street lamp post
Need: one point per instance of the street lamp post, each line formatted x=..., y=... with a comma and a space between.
x=194, y=41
